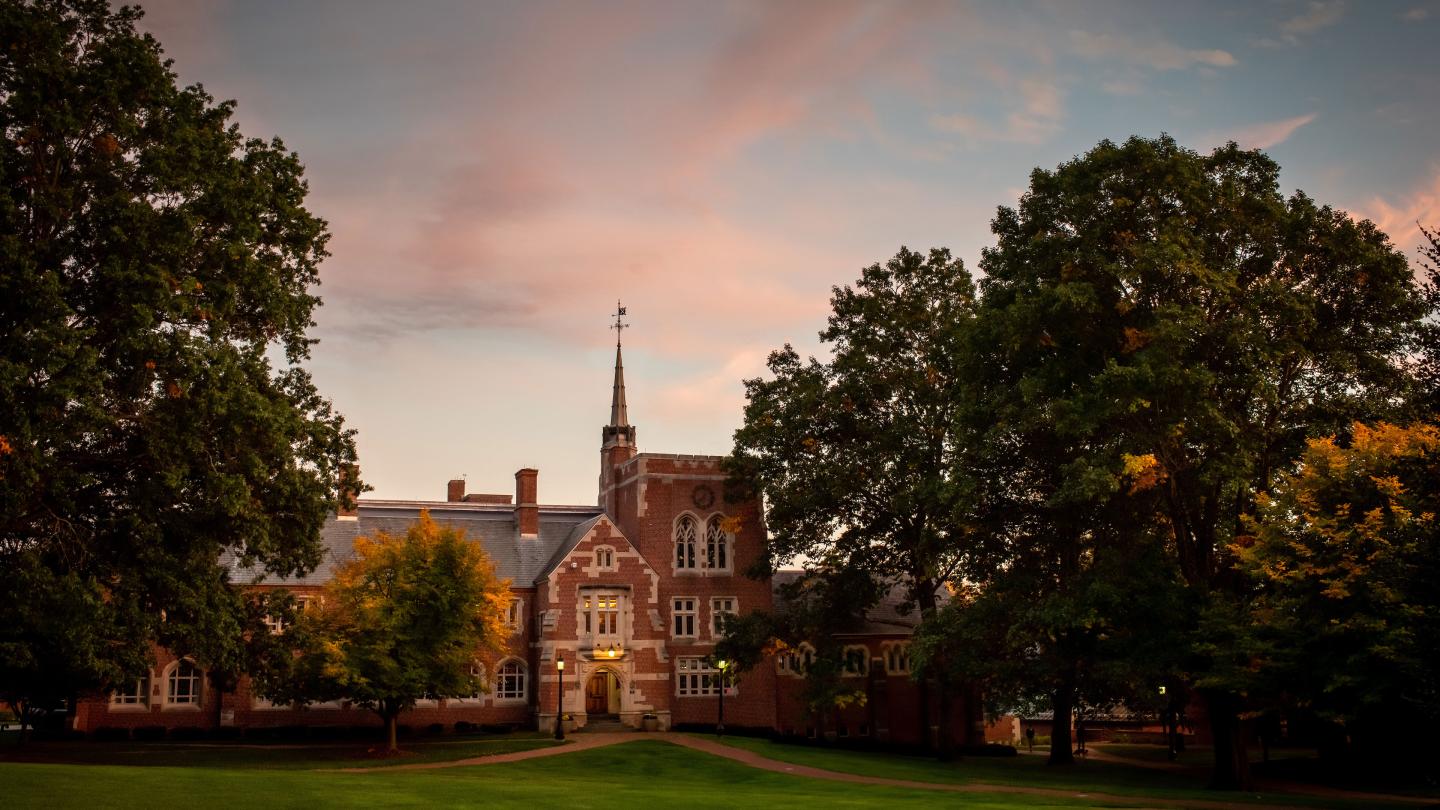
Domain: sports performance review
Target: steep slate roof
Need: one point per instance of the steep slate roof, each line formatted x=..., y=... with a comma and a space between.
x=884, y=619
x=521, y=561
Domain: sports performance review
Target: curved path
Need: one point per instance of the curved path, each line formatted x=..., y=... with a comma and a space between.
x=585, y=741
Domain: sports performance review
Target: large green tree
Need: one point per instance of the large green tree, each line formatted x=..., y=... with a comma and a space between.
x=1148, y=302
x=858, y=458
x=157, y=274
x=408, y=617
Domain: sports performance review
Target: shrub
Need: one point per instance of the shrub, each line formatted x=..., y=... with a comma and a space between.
x=225, y=733
x=187, y=733
x=435, y=728
x=111, y=734
x=149, y=733
x=465, y=727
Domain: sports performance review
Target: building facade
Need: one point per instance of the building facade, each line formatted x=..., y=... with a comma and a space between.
x=629, y=593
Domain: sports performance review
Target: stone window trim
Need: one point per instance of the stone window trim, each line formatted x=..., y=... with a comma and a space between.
x=697, y=677
x=477, y=670
x=135, y=698
x=685, y=535
x=184, y=686
x=855, y=661
x=512, y=683
x=685, y=617
x=796, y=661
x=897, y=657
x=721, y=606
x=605, y=558
x=718, y=545
x=515, y=615
x=603, y=614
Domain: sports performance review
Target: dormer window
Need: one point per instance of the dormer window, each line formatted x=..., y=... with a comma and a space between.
x=605, y=558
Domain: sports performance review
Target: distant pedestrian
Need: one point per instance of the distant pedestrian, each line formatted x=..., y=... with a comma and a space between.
x=1030, y=738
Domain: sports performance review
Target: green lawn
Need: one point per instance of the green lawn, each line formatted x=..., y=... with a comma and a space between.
x=646, y=773
x=276, y=756
x=1027, y=771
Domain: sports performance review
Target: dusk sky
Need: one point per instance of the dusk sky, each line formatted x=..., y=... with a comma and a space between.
x=496, y=175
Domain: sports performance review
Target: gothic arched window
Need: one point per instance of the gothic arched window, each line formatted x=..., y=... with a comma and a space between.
x=717, y=544
x=685, y=542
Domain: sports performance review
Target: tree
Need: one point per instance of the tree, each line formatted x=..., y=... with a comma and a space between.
x=858, y=458
x=406, y=618
x=154, y=413
x=1344, y=554
x=1147, y=302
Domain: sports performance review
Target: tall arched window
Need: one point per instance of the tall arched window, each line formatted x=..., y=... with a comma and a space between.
x=685, y=542
x=182, y=685
x=510, y=681
x=717, y=544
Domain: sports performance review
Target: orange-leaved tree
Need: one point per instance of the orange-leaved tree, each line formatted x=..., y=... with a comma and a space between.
x=405, y=619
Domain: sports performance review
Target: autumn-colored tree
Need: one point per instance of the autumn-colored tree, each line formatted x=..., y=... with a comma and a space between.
x=1344, y=554
x=406, y=618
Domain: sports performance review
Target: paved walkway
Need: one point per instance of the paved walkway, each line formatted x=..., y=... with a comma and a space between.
x=585, y=741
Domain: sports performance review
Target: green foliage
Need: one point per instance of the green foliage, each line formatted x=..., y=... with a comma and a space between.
x=1159, y=333
x=858, y=459
x=158, y=265
x=407, y=618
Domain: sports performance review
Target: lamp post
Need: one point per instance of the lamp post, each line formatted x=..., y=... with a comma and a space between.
x=560, y=698
x=720, y=722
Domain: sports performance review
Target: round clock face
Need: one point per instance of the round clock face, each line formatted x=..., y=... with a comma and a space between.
x=703, y=496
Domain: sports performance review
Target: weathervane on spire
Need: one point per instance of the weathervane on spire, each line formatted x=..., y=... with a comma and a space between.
x=619, y=325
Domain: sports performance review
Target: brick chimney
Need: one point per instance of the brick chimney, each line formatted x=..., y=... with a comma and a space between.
x=349, y=492
x=527, y=508
x=455, y=490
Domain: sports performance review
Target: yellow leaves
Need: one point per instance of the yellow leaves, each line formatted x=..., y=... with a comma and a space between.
x=1135, y=340
x=149, y=365
x=173, y=390
x=731, y=524
x=5, y=447
x=107, y=145
x=809, y=443
x=1144, y=471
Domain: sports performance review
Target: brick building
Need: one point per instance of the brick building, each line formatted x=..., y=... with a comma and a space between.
x=628, y=593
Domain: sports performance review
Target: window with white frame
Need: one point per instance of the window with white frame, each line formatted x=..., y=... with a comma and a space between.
x=856, y=660
x=132, y=694
x=605, y=558
x=897, y=659
x=721, y=609
x=515, y=614
x=276, y=624
x=685, y=559
x=717, y=544
x=683, y=610
x=695, y=677
x=797, y=660
x=510, y=681
x=182, y=684
x=477, y=674
x=600, y=613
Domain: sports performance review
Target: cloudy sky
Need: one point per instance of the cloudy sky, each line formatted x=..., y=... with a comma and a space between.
x=496, y=175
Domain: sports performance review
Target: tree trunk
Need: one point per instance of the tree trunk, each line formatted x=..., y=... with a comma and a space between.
x=24, y=714
x=391, y=722
x=1063, y=705
x=944, y=749
x=1232, y=764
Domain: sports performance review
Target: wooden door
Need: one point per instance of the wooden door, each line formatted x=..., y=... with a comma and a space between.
x=597, y=694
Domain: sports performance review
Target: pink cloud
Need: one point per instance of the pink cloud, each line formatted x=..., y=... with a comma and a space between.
x=1402, y=218
x=1263, y=135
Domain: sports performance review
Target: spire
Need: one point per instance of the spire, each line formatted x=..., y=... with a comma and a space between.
x=618, y=415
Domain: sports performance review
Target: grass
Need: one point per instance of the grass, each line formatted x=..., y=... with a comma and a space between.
x=275, y=756
x=645, y=772
x=1029, y=771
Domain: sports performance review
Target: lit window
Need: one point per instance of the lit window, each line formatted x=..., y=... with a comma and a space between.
x=275, y=623
x=134, y=693
x=684, y=617
x=717, y=544
x=182, y=686
x=605, y=558
x=856, y=660
x=897, y=659
x=510, y=681
x=721, y=609
x=695, y=677
x=685, y=543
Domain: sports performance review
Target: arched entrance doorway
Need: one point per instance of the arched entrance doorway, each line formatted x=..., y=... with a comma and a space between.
x=602, y=693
